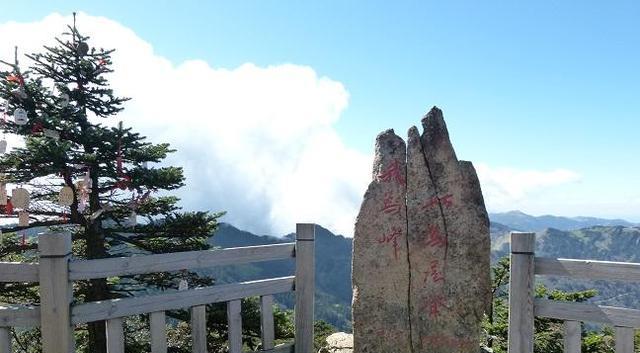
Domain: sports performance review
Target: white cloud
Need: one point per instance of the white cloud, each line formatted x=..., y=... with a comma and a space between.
x=258, y=142
x=510, y=188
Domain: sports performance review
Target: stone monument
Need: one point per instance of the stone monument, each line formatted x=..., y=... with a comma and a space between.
x=420, y=248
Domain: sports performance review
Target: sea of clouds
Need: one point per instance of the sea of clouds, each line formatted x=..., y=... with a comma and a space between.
x=257, y=142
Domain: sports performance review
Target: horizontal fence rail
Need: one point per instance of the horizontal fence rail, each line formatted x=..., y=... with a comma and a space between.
x=19, y=316
x=134, y=265
x=18, y=272
x=109, y=309
x=524, y=307
x=283, y=348
x=588, y=269
x=587, y=312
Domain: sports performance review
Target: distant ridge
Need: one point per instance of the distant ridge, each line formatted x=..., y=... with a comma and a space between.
x=615, y=240
x=333, y=270
x=521, y=221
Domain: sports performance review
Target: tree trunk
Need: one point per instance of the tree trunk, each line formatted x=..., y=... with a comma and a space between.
x=98, y=289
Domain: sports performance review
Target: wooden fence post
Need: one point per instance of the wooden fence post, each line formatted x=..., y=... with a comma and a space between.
x=304, y=287
x=521, y=293
x=624, y=339
x=572, y=336
x=199, y=328
x=5, y=340
x=158, y=325
x=266, y=322
x=56, y=292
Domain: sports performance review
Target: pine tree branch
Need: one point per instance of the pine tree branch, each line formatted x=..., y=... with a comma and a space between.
x=124, y=239
x=15, y=337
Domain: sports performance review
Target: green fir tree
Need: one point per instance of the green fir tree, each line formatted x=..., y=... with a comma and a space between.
x=87, y=175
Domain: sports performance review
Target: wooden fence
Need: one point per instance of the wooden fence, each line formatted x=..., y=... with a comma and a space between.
x=523, y=306
x=57, y=315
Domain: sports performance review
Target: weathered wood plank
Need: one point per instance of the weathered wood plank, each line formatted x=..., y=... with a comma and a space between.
x=282, y=348
x=19, y=316
x=521, y=293
x=624, y=340
x=5, y=340
x=234, y=320
x=572, y=336
x=56, y=293
x=305, y=287
x=102, y=268
x=103, y=310
x=586, y=312
x=18, y=272
x=266, y=321
x=199, y=329
x=589, y=269
x=158, y=328
x=115, y=336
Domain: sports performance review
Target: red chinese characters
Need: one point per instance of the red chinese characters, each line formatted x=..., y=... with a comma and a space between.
x=446, y=201
x=392, y=238
x=435, y=238
x=393, y=173
x=391, y=206
x=433, y=305
x=434, y=272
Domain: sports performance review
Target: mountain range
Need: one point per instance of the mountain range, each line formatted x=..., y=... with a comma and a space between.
x=521, y=221
x=578, y=237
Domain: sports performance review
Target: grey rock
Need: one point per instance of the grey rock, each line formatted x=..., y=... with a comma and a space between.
x=434, y=287
x=380, y=271
x=338, y=342
x=449, y=243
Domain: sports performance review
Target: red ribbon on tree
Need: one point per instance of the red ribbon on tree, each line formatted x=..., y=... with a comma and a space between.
x=16, y=78
x=37, y=128
x=8, y=209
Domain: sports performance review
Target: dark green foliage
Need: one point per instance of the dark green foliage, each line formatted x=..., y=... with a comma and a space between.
x=548, y=332
x=321, y=331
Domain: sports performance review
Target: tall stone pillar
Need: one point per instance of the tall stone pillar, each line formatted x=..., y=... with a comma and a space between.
x=436, y=287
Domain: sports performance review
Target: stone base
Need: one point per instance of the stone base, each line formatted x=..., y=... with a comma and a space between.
x=339, y=342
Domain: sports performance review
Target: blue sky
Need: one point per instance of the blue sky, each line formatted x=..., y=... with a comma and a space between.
x=525, y=86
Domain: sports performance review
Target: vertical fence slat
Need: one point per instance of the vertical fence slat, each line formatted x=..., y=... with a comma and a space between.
x=234, y=318
x=115, y=336
x=199, y=328
x=521, y=293
x=572, y=336
x=304, y=287
x=158, y=325
x=55, y=292
x=5, y=340
x=266, y=321
x=624, y=340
